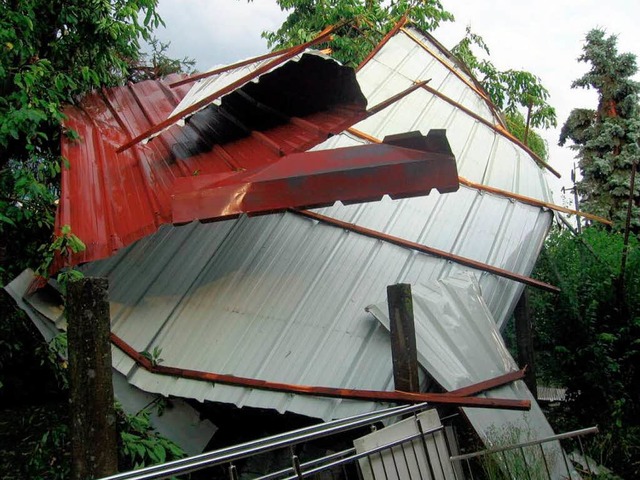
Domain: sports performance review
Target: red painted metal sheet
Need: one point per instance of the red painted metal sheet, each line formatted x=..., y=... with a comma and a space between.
x=111, y=200
x=245, y=154
x=313, y=179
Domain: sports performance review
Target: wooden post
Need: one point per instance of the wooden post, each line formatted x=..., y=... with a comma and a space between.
x=93, y=421
x=524, y=341
x=403, y=338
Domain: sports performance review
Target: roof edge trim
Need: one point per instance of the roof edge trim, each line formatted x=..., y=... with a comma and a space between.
x=332, y=392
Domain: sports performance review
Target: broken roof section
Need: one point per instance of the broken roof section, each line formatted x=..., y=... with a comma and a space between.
x=458, y=344
x=281, y=297
x=241, y=149
x=112, y=199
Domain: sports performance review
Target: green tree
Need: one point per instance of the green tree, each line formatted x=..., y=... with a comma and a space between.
x=51, y=52
x=606, y=139
x=517, y=93
x=368, y=22
x=588, y=339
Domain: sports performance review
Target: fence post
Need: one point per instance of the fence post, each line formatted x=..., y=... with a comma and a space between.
x=403, y=338
x=93, y=422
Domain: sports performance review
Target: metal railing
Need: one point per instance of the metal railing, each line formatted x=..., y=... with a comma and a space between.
x=421, y=453
x=526, y=460
x=228, y=456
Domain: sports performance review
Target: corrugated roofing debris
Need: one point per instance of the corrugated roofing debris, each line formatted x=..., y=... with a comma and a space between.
x=458, y=344
x=111, y=199
x=281, y=298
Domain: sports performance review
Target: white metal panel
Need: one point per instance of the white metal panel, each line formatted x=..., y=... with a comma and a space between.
x=423, y=457
x=459, y=345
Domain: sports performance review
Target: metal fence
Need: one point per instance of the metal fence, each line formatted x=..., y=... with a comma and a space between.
x=532, y=460
x=403, y=450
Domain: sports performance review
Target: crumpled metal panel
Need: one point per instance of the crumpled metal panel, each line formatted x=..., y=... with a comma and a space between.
x=459, y=344
x=112, y=199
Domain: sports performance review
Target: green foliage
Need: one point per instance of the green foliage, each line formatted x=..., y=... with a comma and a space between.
x=52, y=52
x=589, y=338
x=512, y=91
x=141, y=446
x=28, y=190
x=55, y=355
x=153, y=356
x=517, y=126
x=369, y=21
x=50, y=458
x=157, y=64
x=606, y=138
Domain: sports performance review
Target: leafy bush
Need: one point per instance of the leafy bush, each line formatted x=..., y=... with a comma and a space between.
x=139, y=445
x=589, y=338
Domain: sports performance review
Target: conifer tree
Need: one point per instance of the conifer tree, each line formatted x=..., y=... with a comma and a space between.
x=606, y=139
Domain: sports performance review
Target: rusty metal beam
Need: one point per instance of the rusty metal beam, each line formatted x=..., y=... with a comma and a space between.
x=494, y=382
x=532, y=201
x=393, y=99
x=401, y=242
x=226, y=68
x=318, y=391
x=403, y=20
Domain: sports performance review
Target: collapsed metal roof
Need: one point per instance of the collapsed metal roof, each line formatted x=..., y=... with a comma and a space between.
x=111, y=199
x=281, y=297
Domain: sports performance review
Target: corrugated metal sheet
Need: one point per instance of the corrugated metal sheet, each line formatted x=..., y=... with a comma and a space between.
x=484, y=155
x=112, y=199
x=282, y=298
x=458, y=344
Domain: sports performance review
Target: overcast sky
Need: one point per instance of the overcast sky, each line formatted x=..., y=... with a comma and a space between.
x=543, y=36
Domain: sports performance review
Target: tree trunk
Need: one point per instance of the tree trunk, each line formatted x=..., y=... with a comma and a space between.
x=524, y=341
